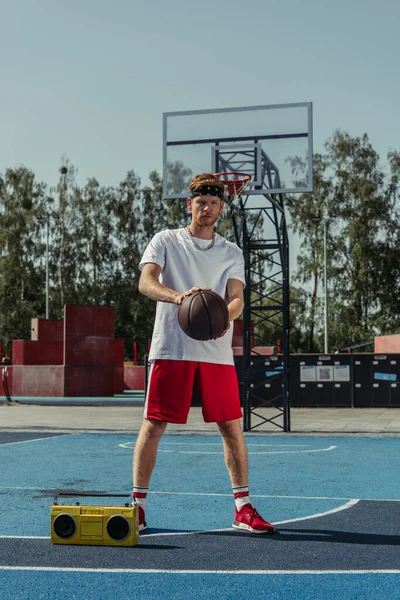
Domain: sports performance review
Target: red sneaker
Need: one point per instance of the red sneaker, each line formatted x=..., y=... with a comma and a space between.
x=248, y=518
x=142, y=519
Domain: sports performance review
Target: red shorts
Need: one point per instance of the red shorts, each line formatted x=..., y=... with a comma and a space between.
x=170, y=390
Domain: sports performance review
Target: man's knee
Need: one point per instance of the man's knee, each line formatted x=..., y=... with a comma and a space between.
x=152, y=429
x=231, y=429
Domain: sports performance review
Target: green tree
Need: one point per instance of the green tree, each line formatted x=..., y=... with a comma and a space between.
x=362, y=218
x=357, y=203
x=94, y=242
x=22, y=278
x=388, y=277
x=65, y=263
x=131, y=307
x=307, y=212
x=153, y=208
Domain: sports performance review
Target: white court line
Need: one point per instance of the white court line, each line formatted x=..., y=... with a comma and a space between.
x=220, y=443
x=349, y=504
x=222, y=495
x=250, y=453
x=227, y=495
x=24, y=537
x=314, y=516
x=203, y=572
x=50, y=437
x=205, y=531
x=130, y=445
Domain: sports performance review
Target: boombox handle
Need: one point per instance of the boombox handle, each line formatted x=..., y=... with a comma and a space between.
x=72, y=494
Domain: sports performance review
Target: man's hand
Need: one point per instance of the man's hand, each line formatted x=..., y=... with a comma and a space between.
x=192, y=290
x=224, y=332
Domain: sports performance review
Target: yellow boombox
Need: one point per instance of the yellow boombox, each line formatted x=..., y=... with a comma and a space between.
x=94, y=525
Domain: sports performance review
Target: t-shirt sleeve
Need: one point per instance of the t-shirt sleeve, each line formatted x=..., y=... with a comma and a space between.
x=237, y=270
x=155, y=252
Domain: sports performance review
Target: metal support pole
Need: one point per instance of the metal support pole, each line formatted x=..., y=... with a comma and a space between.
x=285, y=327
x=47, y=268
x=326, y=344
x=246, y=332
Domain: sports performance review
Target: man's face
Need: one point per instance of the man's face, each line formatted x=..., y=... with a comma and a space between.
x=205, y=209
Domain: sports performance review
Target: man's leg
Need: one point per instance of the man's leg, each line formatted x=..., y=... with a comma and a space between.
x=144, y=459
x=146, y=448
x=168, y=397
x=235, y=452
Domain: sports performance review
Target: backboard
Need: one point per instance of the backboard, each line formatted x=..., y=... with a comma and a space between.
x=273, y=143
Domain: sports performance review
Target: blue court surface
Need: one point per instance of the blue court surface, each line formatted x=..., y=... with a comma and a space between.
x=335, y=502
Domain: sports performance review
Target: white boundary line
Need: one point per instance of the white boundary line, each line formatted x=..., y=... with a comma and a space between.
x=213, y=494
x=202, y=572
x=130, y=445
x=219, y=444
x=314, y=516
x=250, y=453
x=24, y=537
x=225, y=495
x=49, y=437
x=328, y=512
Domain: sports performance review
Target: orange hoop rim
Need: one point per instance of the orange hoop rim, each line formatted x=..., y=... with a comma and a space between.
x=234, y=186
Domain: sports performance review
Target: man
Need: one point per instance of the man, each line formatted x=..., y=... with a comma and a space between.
x=175, y=264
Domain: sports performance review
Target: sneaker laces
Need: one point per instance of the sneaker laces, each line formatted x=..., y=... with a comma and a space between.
x=253, y=514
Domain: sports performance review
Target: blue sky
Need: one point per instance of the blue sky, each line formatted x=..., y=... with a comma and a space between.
x=91, y=79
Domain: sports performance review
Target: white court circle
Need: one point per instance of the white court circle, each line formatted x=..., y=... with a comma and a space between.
x=131, y=445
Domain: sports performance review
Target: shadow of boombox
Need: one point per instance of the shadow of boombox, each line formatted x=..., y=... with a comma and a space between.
x=94, y=525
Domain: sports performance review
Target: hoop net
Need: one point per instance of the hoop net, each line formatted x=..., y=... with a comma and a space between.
x=234, y=183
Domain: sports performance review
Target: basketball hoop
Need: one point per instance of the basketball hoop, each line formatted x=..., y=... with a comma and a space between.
x=234, y=183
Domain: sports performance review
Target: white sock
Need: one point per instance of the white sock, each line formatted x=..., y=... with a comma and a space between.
x=140, y=495
x=241, y=496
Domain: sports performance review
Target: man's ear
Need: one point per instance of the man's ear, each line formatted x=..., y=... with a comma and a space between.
x=189, y=204
x=221, y=208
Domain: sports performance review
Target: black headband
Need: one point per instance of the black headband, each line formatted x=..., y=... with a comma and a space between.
x=208, y=190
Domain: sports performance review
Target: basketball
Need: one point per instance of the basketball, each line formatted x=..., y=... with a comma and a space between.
x=203, y=315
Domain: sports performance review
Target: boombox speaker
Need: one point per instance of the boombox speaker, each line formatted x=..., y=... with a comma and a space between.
x=94, y=525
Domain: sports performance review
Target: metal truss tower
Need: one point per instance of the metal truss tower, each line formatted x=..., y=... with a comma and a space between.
x=265, y=384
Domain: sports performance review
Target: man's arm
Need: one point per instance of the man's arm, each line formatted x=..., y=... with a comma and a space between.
x=234, y=290
x=235, y=298
x=151, y=287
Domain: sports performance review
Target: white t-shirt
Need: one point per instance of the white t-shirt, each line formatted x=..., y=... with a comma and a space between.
x=182, y=267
